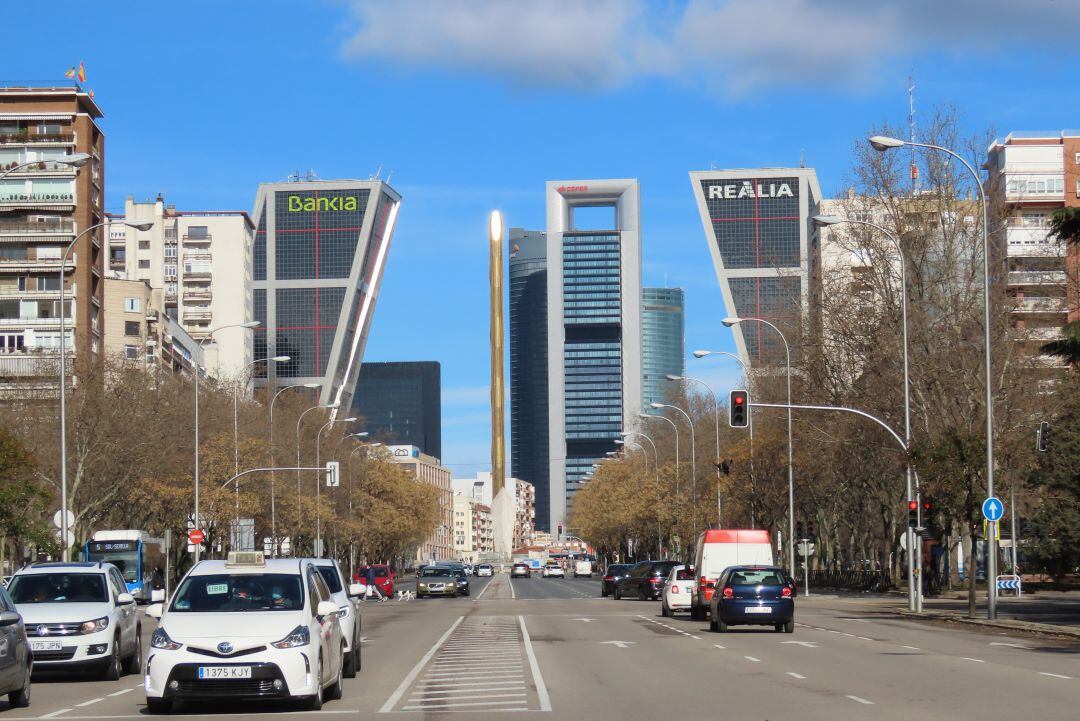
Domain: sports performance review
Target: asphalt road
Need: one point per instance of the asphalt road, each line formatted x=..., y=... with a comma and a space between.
x=553, y=646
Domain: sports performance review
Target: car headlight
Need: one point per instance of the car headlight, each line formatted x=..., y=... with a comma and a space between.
x=344, y=612
x=159, y=639
x=421, y=585
x=98, y=624
x=299, y=636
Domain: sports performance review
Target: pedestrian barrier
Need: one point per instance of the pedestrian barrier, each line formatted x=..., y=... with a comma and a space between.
x=851, y=580
x=1009, y=582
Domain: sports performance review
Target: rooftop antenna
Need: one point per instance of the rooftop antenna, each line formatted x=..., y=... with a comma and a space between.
x=802, y=158
x=377, y=173
x=388, y=176
x=712, y=165
x=911, y=129
x=311, y=175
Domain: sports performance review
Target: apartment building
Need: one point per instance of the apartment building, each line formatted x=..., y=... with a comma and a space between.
x=524, y=512
x=439, y=546
x=474, y=530
x=46, y=203
x=137, y=332
x=201, y=262
x=1031, y=175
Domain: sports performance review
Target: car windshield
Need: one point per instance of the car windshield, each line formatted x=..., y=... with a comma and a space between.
x=485, y=567
x=381, y=572
x=58, y=588
x=756, y=577
x=330, y=575
x=436, y=573
x=227, y=593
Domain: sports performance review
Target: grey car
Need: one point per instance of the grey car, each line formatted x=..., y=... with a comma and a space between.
x=16, y=661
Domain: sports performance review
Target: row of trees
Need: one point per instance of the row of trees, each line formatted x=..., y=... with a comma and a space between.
x=131, y=460
x=849, y=473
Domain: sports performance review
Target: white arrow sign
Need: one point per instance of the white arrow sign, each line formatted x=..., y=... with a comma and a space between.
x=620, y=644
x=586, y=620
x=802, y=643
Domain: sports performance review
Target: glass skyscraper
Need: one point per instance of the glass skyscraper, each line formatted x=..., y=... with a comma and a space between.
x=400, y=403
x=663, y=342
x=319, y=253
x=529, y=367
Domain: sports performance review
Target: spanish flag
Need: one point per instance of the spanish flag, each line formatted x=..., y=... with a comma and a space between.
x=70, y=73
x=82, y=72
x=91, y=94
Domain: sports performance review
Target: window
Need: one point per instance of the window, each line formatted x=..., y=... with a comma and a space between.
x=170, y=251
x=49, y=129
x=132, y=327
x=144, y=263
x=131, y=352
x=132, y=305
x=144, y=245
x=48, y=282
x=198, y=231
x=48, y=252
x=1077, y=158
x=1078, y=188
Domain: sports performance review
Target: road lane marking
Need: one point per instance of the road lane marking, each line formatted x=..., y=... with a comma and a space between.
x=1054, y=675
x=696, y=638
x=976, y=660
x=796, y=675
x=407, y=681
x=912, y=648
x=860, y=700
x=459, y=705
x=807, y=644
x=121, y=693
x=864, y=638
x=716, y=645
x=55, y=713
x=751, y=658
x=1011, y=645
x=91, y=702
x=511, y=582
x=449, y=691
x=541, y=689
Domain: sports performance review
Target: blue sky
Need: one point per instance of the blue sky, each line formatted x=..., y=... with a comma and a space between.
x=473, y=105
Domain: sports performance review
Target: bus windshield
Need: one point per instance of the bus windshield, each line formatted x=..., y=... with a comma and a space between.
x=122, y=554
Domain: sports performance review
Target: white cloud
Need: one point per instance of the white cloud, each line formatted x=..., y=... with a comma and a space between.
x=732, y=46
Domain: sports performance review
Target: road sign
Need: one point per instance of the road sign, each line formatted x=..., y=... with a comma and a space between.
x=70, y=519
x=70, y=537
x=333, y=470
x=196, y=536
x=993, y=509
x=805, y=548
x=1009, y=583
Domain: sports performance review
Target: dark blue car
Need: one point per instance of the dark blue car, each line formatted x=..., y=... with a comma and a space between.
x=753, y=596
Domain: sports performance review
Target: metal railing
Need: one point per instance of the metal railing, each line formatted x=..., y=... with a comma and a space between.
x=852, y=580
x=26, y=138
x=37, y=198
x=44, y=228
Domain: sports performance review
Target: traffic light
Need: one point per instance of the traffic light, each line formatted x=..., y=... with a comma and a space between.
x=913, y=514
x=739, y=409
x=809, y=529
x=927, y=508
x=725, y=466
x=798, y=530
x=1042, y=437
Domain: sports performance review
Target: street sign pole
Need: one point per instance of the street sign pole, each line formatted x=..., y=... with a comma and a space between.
x=992, y=509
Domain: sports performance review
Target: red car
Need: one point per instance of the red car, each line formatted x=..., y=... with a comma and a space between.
x=384, y=577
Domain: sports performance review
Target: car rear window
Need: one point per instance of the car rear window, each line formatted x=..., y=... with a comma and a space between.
x=747, y=577
x=684, y=574
x=664, y=568
x=617, y=568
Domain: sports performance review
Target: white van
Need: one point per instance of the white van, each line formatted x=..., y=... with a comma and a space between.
x=718, y=549
x=583, y=567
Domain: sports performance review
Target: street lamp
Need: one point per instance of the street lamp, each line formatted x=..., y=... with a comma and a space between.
x=883, y=143
x=716, y=418
x=728, y=322
x=209, y=335
x=693, y=461
x=75, y=160
x=236, y=430
x=914, y=580
x=273, y=497
x=676, y=429
x=656, y=468
x=299, y=496
x=63, y=357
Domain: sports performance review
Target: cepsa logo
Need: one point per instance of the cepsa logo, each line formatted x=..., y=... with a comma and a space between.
x=573, y=188
x=302, y=204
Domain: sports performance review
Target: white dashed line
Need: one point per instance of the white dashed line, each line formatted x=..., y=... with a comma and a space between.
x=392, y=701
x=55, y=713
x=976, y=660
x=696, y=638
x=864, y=638
x=860, y=700
x=912, y=648
x=796, y=675
x=751, y=658
x=716, y=645
x=1054, y=675
x=91, y=702
x=121, y=693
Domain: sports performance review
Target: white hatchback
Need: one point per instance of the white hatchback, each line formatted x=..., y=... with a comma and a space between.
x=554, y=571
x=246, y=628
x=678, y=588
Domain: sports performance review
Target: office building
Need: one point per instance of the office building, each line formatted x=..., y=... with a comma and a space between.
x=401, y=403
x=529, y=366
x=1032, y=175
x=319, y=254
x=200, y=263
x=758, y=224
x=439, y=545
x=44, y=206
x=663, y=341
x=594, y=328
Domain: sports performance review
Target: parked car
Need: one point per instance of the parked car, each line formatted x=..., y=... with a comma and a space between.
x=485, y=569
x=613, y=575
x=753, y=595
x=583, y=567
x=717, y=549
x=677, y=589
x=437, y=581
x=384, y=578
x=553, y=570
x=246, y=628
x=78, y=616
x=17, y=662
x=645, y=581
x=346, y=598
x=520, y=570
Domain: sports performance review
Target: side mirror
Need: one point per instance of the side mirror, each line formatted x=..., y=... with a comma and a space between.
x=710, y=584
x=157, y=596
x=358, y=590
x=9, y=618
x=155, y=610
x=125, y=598
x=326, y=609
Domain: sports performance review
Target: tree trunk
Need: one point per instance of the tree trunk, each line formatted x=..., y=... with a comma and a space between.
x=971, y=563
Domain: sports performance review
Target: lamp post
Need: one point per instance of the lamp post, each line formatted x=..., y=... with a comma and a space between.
x=676, y=429
x=882, y=143
x=716, y=419
x=699, y=354
x=63, y=358
x=728, y=322
x=318, y=480
x=273, y=497
x=197, y=369
x=299, y=495
x=914, y=580
x=656, y=469
x=693, y=462
x=236, y=430
x=75, y=160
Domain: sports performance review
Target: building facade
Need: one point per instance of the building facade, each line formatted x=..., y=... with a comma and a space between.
x=44, y=207
x=594, y=328
x=401, y=403
x=474, y=532
x=439, y=546
x=529, y=366
x=663, y=341
x=318, y=258
x=137, y=332
x=201, y=263
x=1031, y=175
x=524, y=513
x=758, y=224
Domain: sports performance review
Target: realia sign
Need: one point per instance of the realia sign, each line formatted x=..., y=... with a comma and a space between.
x=746, y=189
x=309, y=204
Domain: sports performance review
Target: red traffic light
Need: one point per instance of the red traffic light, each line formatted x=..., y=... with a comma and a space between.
x=739, y=400
x=913, y=505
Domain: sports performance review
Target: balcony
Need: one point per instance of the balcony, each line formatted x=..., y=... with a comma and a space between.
x=1037, y=277
x=37, y=229
x=31, y=322
x=28, y=365
x=50, y=265
x=1031, y=242
x=37, y=139
x=198, y=239
x=198, y=294
x=1041, y=305
x=36, y=200
x=44, y=167
x=1042, y=334
x=196, y=271
x=198, y=256
x=195, y=314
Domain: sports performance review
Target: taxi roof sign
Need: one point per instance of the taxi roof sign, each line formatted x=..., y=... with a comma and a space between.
x=245, y=558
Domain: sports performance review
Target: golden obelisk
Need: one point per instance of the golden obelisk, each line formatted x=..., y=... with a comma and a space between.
x=503, y=502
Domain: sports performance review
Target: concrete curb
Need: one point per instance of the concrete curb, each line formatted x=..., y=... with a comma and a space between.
x=1006, y=624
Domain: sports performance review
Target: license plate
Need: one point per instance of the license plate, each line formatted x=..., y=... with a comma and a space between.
x=213, y=672
x=758, y=609
x=46, y=646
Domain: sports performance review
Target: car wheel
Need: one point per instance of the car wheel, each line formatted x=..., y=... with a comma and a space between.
x=714, y=627
x=721, y=626
x=348, y=663
x=21, y=697
x=114, y=669
x=695, y=613
x=616, y=595
x=314, y=702
x=133, y=663
x=789, y=627
x=664, y=610
x=603, y=592
x=159, y=705
x=333, y=692
x=641, y=594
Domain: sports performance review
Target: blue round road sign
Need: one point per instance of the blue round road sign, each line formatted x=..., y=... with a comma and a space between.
x=993, y=509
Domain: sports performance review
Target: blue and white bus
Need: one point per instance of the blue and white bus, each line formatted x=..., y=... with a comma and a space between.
x=135, y=553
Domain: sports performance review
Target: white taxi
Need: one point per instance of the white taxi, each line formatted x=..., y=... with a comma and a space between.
x=678, y=588
x=246, y=628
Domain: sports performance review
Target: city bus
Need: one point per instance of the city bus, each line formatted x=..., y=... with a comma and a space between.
x=135, y=553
